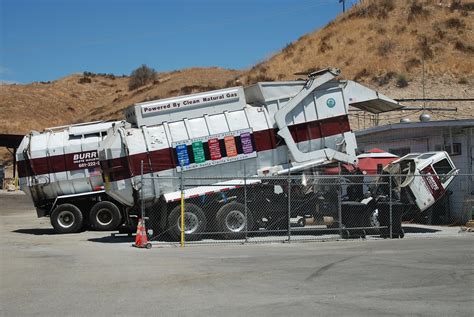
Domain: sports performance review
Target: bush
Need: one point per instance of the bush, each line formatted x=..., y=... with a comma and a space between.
x=463, y=81
x=425, y=48
x=89, y=74
x=361, y=74
x=385, y=47
x=383, y=79
x=465, y=48
x=324, y=47
x=454, y=23
x=402, y=81
x=412, y=63
x=416, y=10
x=85, y=80
x=374, y=8
x=141, y=76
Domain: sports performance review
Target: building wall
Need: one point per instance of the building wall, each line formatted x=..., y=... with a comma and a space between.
x=427, y=139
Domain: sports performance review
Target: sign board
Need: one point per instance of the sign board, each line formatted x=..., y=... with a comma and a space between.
x=82, y=160
x=214, y=149
x=190, y=101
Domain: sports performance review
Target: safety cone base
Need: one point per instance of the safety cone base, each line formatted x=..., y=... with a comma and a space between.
x=141, y=239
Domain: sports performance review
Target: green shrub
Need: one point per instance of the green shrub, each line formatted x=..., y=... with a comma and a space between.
x=402, y=81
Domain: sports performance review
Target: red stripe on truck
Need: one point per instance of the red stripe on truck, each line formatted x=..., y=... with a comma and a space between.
x=58, y=163
x=160, y=160
x=164, y=159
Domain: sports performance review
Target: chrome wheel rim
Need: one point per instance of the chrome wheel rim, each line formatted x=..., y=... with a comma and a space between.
x=374, y=218
x=235, y=221
x=191, y=223
x=104, y=217
x=66, y=219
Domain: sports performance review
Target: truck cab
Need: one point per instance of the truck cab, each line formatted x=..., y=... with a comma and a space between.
x=422, y=178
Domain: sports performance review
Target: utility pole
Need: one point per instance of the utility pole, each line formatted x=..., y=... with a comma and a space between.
x=343, y=5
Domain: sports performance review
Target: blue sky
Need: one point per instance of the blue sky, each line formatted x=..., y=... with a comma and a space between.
x=43, y=40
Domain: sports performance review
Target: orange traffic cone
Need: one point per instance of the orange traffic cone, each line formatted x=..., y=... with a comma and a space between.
x=141, y=239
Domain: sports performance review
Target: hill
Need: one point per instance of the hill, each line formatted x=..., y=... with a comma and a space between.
x=384, y=44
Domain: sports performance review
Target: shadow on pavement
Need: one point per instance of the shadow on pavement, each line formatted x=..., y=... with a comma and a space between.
x=418, y=230
x=36, y=231
x=113, y=239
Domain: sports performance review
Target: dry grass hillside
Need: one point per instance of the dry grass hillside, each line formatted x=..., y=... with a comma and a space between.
x=166, y=85
x=88, y=96
x=382, y=43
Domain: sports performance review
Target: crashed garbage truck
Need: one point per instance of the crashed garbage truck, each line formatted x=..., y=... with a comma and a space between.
x=266, y=129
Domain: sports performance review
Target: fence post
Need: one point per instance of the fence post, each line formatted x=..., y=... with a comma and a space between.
x=289, y=205
x=181, y=186
x=142, y=206
x=339, y=201
x=390, y=202
x=245, y=204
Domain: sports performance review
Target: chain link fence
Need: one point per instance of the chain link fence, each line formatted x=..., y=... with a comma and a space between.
x=293, y=208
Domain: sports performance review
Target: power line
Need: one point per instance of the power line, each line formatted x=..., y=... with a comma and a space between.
x=433, y=99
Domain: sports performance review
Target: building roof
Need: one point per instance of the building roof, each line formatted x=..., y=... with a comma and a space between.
x=468, y=123
x=11, y=141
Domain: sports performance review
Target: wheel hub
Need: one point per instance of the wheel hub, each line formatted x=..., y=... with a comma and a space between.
x=66, y=219
x=374, y=218
x=191, y=223
x=104, y=217
x=235, y=221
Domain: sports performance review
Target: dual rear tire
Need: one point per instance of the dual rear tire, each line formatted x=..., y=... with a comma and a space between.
x=232, y=221
x=68, y=218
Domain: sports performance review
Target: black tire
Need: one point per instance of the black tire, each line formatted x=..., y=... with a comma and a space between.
x=195, y=223
x=105, y=216
x=401, y=234
x=67, y=218
x=230, y=220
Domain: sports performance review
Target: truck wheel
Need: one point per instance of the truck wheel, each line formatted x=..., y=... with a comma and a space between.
x=105, y=216
x=66, y=218
x=374, y=218
x=194, y=222
x=232, y=222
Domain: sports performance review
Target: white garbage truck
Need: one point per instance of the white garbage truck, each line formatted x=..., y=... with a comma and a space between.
x=59, y=170
x=266, y=129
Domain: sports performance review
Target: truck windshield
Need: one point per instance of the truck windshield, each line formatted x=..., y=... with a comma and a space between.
x=443, y=167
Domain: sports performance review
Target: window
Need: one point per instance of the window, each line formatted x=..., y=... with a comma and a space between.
x=400, y=151
x=426, y=156
x=442, y=167
x=447, y=148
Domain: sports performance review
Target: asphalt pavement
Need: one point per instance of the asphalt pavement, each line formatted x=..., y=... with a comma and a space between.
x=91, y=274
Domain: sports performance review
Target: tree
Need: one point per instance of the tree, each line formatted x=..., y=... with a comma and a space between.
x=141, y=76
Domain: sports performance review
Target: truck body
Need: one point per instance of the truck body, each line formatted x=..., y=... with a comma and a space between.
x=267, y=129
x=422, y=178
x=77, y=176
x=59, y=170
